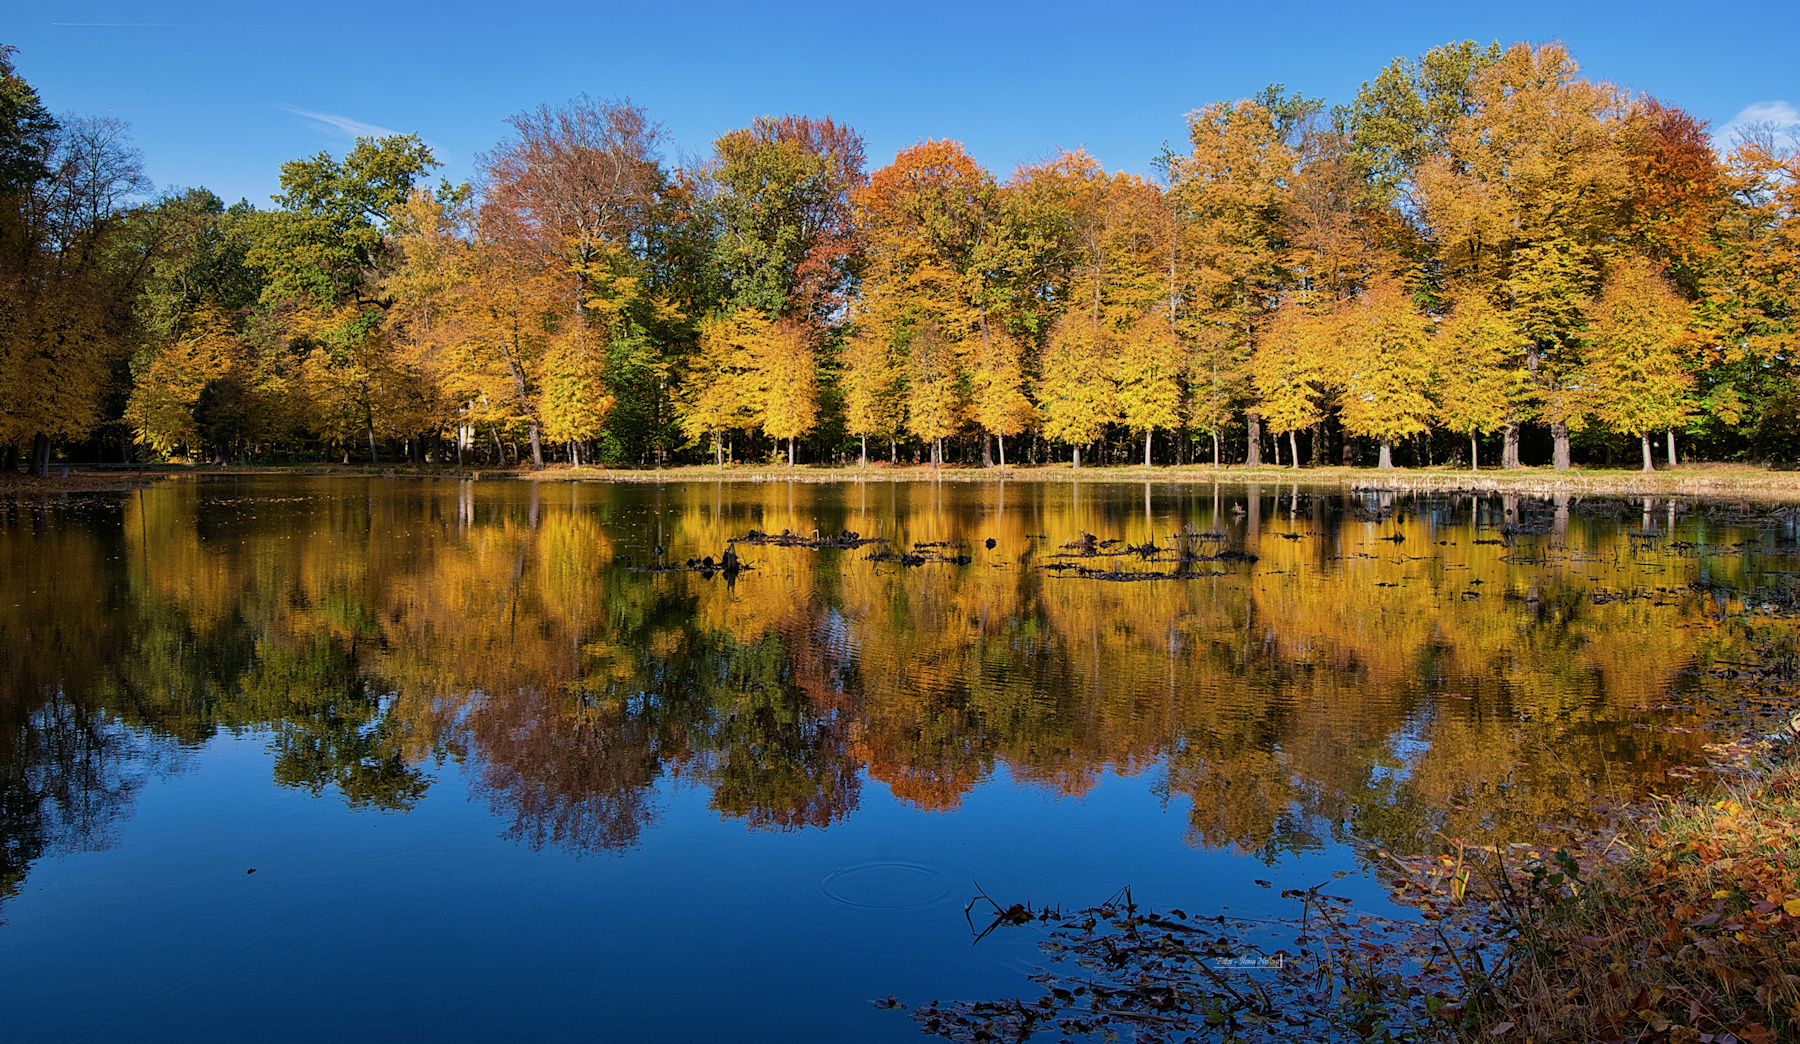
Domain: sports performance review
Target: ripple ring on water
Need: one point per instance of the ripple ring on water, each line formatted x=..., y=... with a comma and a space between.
x=884, y=886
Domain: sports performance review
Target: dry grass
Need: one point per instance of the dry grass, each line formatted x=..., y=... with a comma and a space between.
x=1694, y=936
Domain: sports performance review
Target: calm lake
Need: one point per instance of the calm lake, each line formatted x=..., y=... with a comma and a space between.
x=289, y=758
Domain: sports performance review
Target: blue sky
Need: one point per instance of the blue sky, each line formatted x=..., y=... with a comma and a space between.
x=220, y=93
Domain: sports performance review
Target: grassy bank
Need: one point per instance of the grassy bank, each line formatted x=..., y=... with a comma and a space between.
x=1692, y=934
x=1694, y=480
x=1738, y=480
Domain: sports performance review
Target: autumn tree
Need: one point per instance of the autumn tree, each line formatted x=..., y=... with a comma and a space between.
x=322, y=253
x=935, y=401
x=1749, y=308
x=998, y=402
x=1402, y=120
x=1214, y=378
x=1232, y=188
x=74, y=253
x=868, y=382
x=1480, y=380
x=1147, y=368
x=1677, y=190
x=1633, y=372
x=787, y=376
x=924, y=218
x=1078, y=397
x=721, y=390
x=788, y=243
x=491, y=319
x=164, y=401
x=1289, y=370
x=1530, y=191
x=1385, y=367
x=571, y=196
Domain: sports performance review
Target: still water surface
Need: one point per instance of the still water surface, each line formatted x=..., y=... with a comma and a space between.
x=496, y=780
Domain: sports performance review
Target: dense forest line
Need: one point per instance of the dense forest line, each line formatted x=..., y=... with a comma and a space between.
x=1482, y=258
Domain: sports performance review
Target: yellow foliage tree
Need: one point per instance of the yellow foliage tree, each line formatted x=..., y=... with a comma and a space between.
x=934, y=407
x=1214, y=381
x=1481, y=379
x=1386, y=366
x=1634, y=373
x=1289, y=371
x=869, y=385
x=1234, y=187
x=165, y=393
x=1078, y=399
x=1148, y=366
x=1524, y=202
x=576, y=402
x=787, y=374
x=721, y=391
x=999, y=404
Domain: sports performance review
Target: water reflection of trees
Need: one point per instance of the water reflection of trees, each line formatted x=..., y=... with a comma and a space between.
x=1344, y=686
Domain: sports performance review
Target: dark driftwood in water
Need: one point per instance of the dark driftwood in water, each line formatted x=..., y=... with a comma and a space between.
x=923, y=553
x=844, y=541
x=1120, y=575
x=729, y=563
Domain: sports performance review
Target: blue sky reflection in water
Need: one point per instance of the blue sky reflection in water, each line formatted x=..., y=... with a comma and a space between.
x=495, y=784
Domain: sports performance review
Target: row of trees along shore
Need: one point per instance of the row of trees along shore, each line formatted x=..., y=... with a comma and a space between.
x=1482, y=255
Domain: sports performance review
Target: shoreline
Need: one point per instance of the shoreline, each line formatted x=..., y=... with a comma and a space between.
x=1706, y=480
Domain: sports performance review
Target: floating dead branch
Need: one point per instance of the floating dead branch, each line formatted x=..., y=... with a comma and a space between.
x=844, y=541
x=1122, y=575
x=922, y=554
x=729, y=564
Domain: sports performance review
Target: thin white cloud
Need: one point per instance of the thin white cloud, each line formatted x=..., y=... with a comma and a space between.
x=1778, y=116
x=344, y=125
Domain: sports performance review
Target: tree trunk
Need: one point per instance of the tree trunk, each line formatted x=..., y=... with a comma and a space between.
x=1559, y=435
x=1253, y=455
x=1147, y=433
x=1387, y=455
x=537, y=448
x=987, y=449
x=40, y=455
x=1649, y=456
x=1294, y=449
x=1001, y=439
x=1215, y=438
x=1075, y=454
x=1671, y=447
x=1509, y=446
x=1474, y=453
x=865, y=451
x=1276, y=447
x=373, y=459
